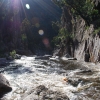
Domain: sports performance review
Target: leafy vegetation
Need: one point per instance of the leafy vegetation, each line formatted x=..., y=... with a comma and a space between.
x=62, y=36
x=96, y=31
x=84, y=8
x=19, y=28
x=25, y=25
x=13, y=54
x=24, y=37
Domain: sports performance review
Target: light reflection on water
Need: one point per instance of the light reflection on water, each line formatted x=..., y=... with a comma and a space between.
x=38, y=72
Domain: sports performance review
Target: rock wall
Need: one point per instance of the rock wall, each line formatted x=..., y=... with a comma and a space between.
x=85, y=45
x=88, y=45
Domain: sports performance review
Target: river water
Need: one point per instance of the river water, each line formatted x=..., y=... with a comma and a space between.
x=78, y=80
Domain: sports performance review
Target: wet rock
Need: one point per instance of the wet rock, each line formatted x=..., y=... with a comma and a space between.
x=72, y=58
x=4, y=86
x=85, y=71
x=67, y=55
x=17, y=56
x=45, y=57
x=75, y=81
x=40, y=89
x=54, y=58
x=9, y=58
x=72, y=65
x=56, y=52
x=43, y=93
x=65, y=58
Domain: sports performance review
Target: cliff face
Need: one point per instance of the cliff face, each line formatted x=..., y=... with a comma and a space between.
x=85, y=45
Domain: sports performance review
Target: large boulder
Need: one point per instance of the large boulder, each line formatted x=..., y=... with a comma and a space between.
x=4, y=86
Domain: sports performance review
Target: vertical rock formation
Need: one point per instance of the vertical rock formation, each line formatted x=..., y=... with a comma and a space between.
x=85, y=45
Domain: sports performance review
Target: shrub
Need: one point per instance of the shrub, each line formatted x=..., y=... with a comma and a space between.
x=13, y=53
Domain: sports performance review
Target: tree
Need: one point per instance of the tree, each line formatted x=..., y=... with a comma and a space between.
x=84, y=8
x=25, y=31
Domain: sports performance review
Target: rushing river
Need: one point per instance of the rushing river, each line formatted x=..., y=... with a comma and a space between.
x=78, y=80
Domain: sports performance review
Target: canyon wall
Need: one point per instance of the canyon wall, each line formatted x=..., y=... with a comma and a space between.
x=85, y=44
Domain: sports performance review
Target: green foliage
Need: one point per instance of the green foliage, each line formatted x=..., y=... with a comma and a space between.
x=24, y=37
x=25, y=25
x=25, y=31
x=96, y=31
x=62, y=36
x=56, y=26
x=58, y=2
x=13, y=53
x=84, y=8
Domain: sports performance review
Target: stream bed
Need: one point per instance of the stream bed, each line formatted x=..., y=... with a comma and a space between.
x=36, y=79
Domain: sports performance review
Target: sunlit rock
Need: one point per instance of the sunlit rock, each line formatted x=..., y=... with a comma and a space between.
x=17, y=56
x=45, y=57
x=4, y=86
x=43, y=93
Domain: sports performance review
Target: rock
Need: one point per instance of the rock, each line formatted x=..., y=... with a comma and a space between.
x=4, y=86
x=43, y=93
x=67, y=55
x=65, y=58
x=72, y=58
x=9, y=58
x=17, y=56
x=85, y=45
x=85, y=71
x=72, y=65
x=54, y=58
x=86, y=57
x=73, y=82
x=45, y=57
x=40, y=89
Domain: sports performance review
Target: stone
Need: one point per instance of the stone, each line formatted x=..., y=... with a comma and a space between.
x=45, y=57
x=9, y=58
x=4, y=86
x=85, y=45
x=43, y=93
x=17, y=56
x=67, y=56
